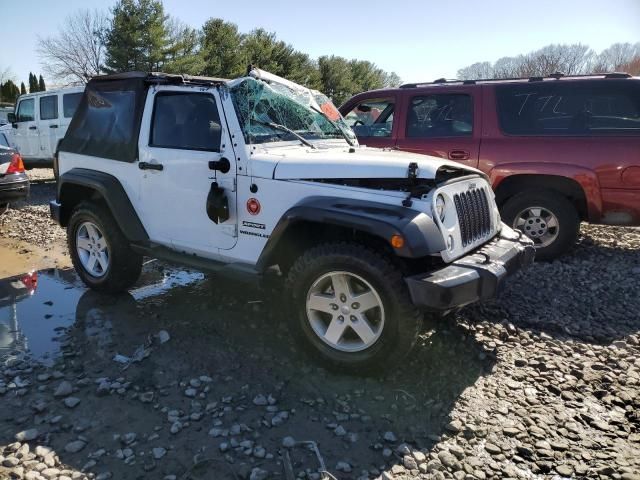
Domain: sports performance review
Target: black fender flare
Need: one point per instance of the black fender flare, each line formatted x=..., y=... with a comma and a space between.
x=422, y=236
x=113, y=193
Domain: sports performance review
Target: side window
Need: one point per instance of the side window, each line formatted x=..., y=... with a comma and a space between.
x=578, y=108
x=3, y=140
x=26, y=110
x=70, y=103
x=440, y=115
x=372, y=118
x=49, y=107
x=187, y=121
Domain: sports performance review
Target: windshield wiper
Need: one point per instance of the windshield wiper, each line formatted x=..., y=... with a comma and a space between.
x=277, y=126
x=335, y=125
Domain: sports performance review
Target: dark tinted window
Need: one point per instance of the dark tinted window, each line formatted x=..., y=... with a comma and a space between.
x=441, y=115
x=49, y=107
x=26, y=110
x=570, y=108
x=106, y=123
x=187, y=121
x=3, y=140
x=70, y=102
x=372, y=118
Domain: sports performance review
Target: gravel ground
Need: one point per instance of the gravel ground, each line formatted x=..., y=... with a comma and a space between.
x=30, y=220
x=541, y=383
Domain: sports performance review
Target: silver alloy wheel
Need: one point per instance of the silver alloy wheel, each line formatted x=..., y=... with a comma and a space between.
x=539, y=224
x=92, y=249
x=345, y=311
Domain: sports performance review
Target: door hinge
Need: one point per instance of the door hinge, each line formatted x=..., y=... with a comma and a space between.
x=231, y=230
x=228, y=183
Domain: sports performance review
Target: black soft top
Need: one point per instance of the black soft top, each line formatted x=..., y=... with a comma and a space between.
x=107, y=121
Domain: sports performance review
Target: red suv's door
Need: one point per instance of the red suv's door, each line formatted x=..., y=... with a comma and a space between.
x=443, y=121
x=373, y=118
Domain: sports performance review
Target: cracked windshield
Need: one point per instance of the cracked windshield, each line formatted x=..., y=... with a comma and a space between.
x=274, y=112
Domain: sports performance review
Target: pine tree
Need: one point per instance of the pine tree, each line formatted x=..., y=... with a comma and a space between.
x=41, y=86
x=138, y=36
x=23, y=89
x=33, y=83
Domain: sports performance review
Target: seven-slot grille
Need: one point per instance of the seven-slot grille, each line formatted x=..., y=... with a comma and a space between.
x=474, y=214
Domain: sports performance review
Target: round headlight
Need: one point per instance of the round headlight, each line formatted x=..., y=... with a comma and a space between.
x=440, y=210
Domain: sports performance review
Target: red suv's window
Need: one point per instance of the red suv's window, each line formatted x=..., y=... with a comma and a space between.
x=570, y=108
x=372, y=118
x=440, y=115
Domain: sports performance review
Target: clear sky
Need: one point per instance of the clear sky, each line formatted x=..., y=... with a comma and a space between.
x=418, y=39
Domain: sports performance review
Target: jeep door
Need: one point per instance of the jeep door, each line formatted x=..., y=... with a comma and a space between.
x=443, y=122
x=25, y=134
x=183, y=134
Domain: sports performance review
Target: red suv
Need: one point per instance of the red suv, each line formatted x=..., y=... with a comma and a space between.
x=557, y=150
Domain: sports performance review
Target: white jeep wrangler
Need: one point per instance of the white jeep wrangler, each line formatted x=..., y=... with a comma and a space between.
x=257, y=173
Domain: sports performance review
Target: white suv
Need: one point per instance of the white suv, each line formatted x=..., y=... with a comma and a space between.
x=260, y=173
x=39, y=123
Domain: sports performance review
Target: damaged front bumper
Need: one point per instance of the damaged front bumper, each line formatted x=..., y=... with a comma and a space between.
x=477, y=276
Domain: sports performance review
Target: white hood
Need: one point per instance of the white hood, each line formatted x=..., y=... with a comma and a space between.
x=296, y=162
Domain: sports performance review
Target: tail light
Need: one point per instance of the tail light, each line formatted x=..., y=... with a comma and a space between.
x=16, y=165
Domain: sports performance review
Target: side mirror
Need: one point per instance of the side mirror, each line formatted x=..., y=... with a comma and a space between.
x=11, y=117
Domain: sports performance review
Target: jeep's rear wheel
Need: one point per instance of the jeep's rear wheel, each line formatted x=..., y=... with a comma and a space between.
x=99, y=250
x=351, y=307
x=549, y=219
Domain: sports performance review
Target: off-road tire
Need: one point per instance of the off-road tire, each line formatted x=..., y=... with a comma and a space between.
x=560, y=206
x=403, y=322
x=124, y=266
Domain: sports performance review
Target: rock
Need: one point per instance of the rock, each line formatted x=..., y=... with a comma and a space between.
x=492, y=448
x=389, y=437
x=448, y=460
x=26, y=435
x=454, y=426
x=419, y=456
x=565, y=470
x=288, y=442
x=190, y=392
x=75, y=446
x=159, y=452
x=10, y=462
x=340, y=431
x=71, y=402
x=260, y=400
x=343, y=467
x=63, y=390
x=163, y=336
x=409, y=462
x=258, y=474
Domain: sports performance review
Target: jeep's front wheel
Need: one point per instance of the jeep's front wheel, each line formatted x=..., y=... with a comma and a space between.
x=99, y=250
x=351, y=308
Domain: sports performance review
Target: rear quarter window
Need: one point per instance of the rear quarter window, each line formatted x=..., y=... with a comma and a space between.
x=591, y=108
x=107, y=121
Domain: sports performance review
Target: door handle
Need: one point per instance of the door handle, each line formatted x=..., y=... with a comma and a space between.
x=53, y=126
x=459, y=155
x=33, y=127
x=150, y=166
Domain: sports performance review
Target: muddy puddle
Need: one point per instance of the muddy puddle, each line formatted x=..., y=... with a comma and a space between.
x=36, y=307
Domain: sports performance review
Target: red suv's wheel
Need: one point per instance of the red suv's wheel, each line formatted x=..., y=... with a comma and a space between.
x=547, y=218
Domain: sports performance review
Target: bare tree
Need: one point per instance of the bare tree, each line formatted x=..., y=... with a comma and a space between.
x=615, y=57
x=76, y=53
x=476, y=71
x=568, y=59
